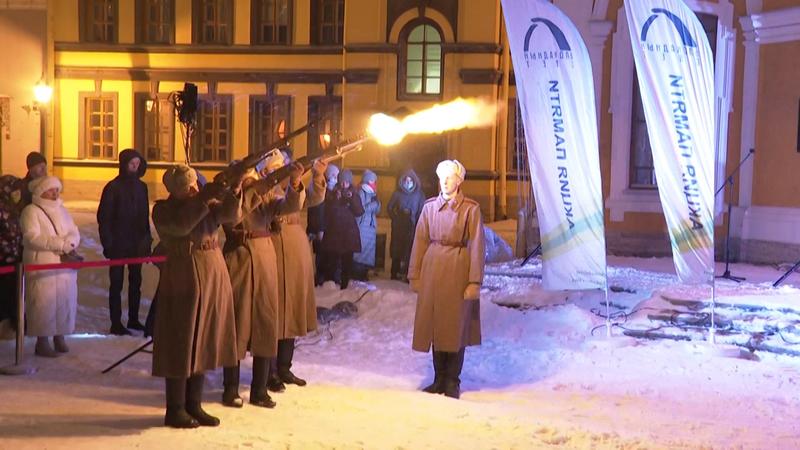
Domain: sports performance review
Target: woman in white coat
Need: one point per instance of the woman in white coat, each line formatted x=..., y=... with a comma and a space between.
x=51, y=295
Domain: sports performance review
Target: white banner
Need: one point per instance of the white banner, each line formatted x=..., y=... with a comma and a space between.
x=555, y=90
x=676, y=77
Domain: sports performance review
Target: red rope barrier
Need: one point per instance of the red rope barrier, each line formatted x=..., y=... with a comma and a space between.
x=85, y=264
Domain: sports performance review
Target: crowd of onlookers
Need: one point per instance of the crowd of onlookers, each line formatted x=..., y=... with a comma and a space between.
x=35, y=228
x=343, y=229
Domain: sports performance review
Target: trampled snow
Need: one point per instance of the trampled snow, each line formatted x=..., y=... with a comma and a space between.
x=546, y=375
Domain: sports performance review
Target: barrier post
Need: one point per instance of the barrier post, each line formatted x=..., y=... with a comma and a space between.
x=18, y=368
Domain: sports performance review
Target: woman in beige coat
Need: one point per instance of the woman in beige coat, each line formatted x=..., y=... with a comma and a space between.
x=195, y=329
x=448, y=246
x=297, y=306
x=251, y=261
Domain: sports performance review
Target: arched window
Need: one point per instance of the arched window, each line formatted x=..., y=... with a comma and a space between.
x=420, y=71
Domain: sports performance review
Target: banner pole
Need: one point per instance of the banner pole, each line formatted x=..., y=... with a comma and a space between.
x=18, y=368
x=713, y=330
x=20, y=314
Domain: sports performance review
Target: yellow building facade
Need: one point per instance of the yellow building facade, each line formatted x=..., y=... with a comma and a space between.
x=265, y=67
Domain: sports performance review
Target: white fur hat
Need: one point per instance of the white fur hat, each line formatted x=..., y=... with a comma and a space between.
x=43, y=184
x=179, y=178
x=276, y=161
x=451, y=167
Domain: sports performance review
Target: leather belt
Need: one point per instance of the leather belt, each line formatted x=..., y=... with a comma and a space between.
x=449, y=244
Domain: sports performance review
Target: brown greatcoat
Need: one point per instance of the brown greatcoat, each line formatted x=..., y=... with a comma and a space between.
x=195, y=329
x=297, y=305
x=448, y=254
x=250, y=256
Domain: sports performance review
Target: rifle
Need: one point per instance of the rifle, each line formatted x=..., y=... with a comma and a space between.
x=231, y=175
x=340, y=151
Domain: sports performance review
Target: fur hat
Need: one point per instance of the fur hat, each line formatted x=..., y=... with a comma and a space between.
x=179, y=178
x=33, y=159
x=275, y=162
x=43, y=184
x=451, y=167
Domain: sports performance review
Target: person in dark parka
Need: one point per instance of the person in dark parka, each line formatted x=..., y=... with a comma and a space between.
x=123, y=219
x=342, y=238
x=316, y=225
x=37, y=167
x=405, y=206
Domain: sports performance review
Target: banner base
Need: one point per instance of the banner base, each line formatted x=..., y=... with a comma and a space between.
x=15, y=369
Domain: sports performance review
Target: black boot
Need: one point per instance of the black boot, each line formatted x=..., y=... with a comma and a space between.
x=452, y=381
x=439, y=366
x=274, y=383
x=285, y=355
x=194, y=398
x=258, y=388
x=230, y=382
x=176, y=416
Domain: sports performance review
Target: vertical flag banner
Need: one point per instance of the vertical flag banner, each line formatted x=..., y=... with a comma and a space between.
x=555, y=90
x=675, y=69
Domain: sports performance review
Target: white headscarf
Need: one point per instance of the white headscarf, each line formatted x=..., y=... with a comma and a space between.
x=451, y=167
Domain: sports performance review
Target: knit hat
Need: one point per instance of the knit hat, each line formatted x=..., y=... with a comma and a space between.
x=331, y=171
x=369, y=177
x=44, y=184
x=179, y=178
x=451, y=167
x=33, y=159
x=345, y=175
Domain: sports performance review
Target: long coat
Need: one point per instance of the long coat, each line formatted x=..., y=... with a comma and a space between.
x=367, y=227
x=297, y=305
x=404, y=209
x=123, y=215
x=342, y=206
x=51, y=296
x=253, y=268
x=448, y=254
x=195, y=328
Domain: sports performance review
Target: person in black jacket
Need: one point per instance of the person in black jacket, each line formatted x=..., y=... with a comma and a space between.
x=405, y=207
x=123, y=219
x=341, y=238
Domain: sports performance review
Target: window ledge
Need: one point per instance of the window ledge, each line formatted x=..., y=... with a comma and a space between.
x=633, y=200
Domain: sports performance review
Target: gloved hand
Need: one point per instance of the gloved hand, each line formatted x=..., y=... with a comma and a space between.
x=415, y=285
x=472, y=292
x=67, y=246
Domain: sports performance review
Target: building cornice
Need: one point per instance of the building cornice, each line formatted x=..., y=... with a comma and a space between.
x=358, y=76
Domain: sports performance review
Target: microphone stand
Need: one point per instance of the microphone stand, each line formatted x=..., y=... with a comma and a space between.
x=729, y=182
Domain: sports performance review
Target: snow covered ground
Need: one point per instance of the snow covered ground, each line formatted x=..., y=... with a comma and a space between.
x=546, y=376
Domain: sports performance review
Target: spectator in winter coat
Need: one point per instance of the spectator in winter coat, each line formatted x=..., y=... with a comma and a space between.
x=367, y=224
x=37, y=167
x=51, y=295
x=341, y=238
x=123, y=219
x=405, y=206
x=316, y=225
x=10, y=248
x=448, y=246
